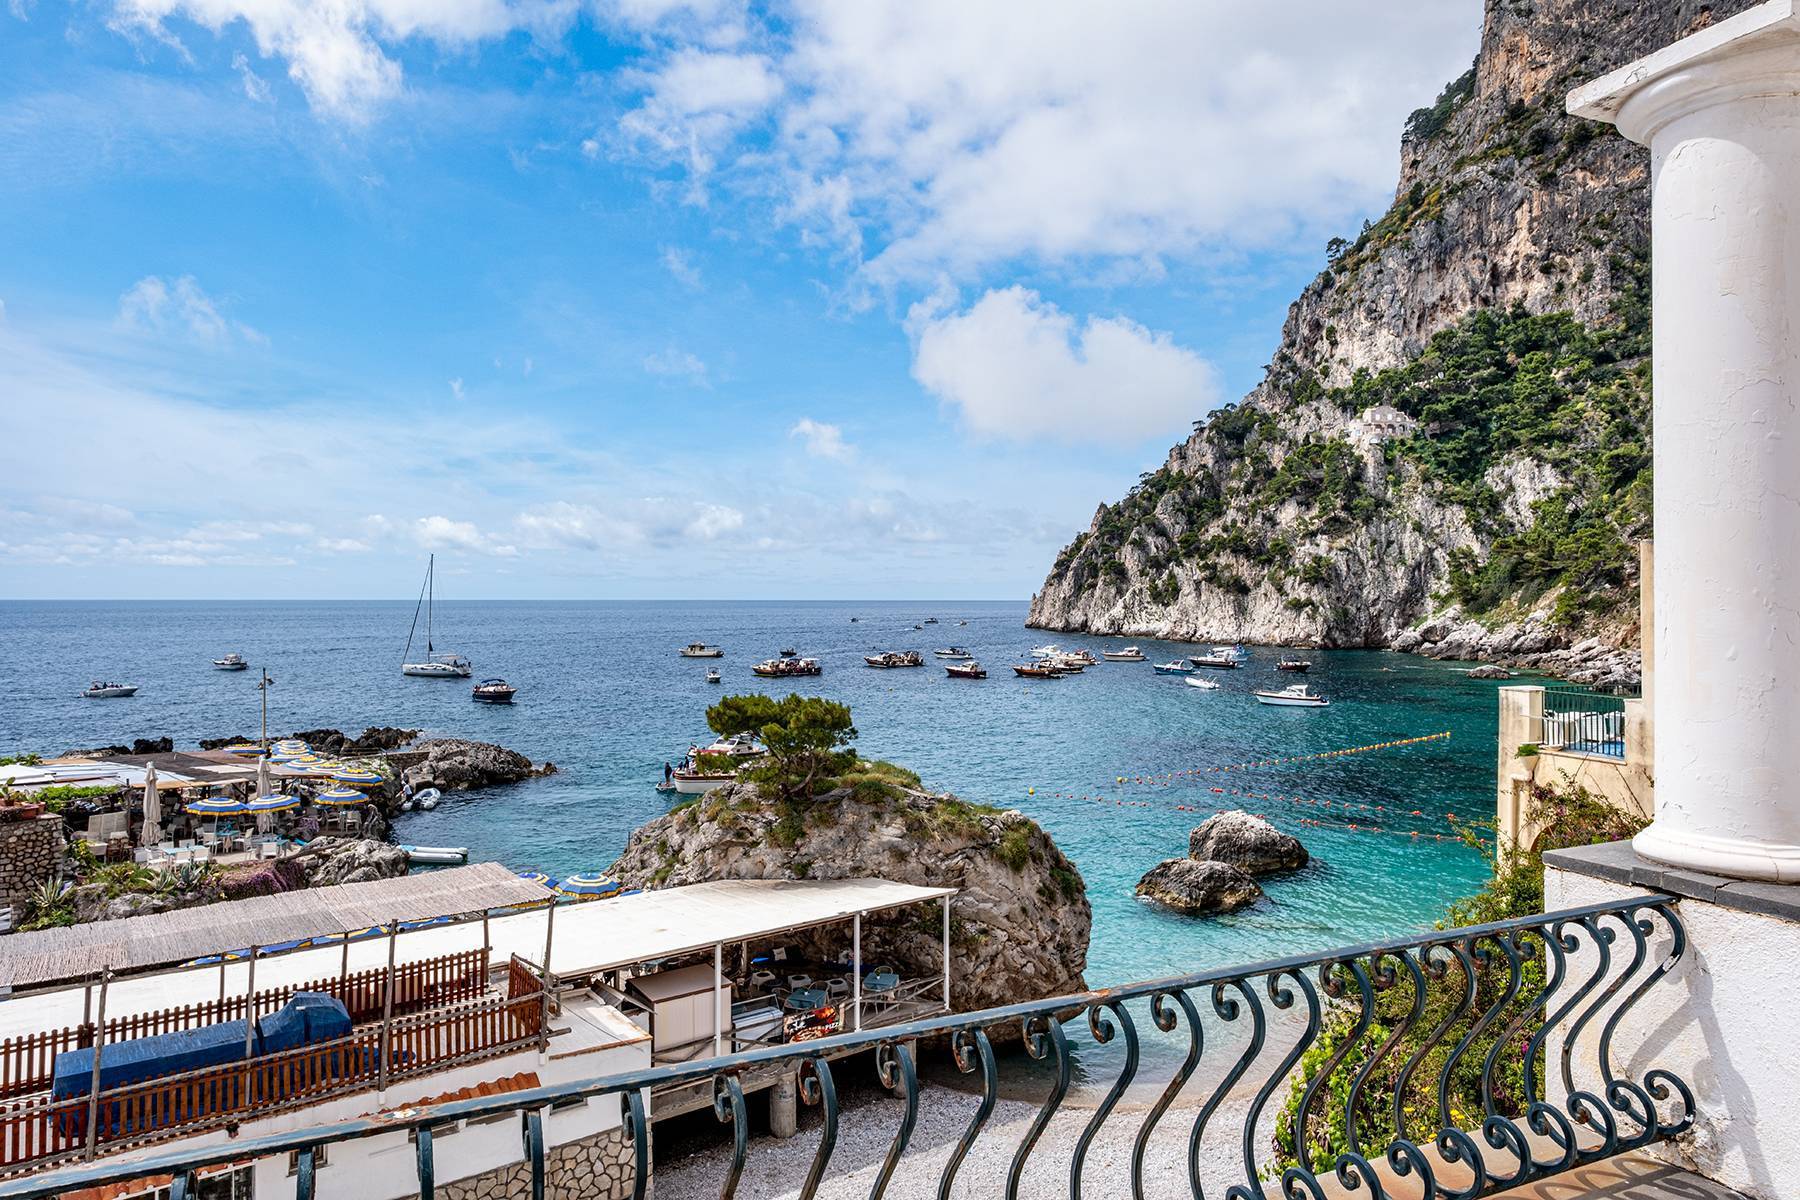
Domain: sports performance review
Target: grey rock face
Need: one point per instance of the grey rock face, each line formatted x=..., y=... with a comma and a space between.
x=1249, y=843
x=1020, y=923
x=1198, y=888
x=330, y=860
x=456, y=764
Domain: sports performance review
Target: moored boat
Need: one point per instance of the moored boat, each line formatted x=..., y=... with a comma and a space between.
x=701, y=650
x=1297, y=696
x=712, y=675
x=895, y=658
x=1297, y=666
x=1174, y=667
x=1128, y=654
x=427, y=800
x=436, y=856
x=494, y=691
x=1201, y=682
x=437, y=664
x=1045, y=651
x=952, y=652
x=966, y=670
x=691, y=782
x=781, y=668
x=109, y=691
x=1218, y=660
x=231, y=662
x=1036, y=671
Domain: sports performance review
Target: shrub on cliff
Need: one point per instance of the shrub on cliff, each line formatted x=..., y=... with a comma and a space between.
x=807, y=739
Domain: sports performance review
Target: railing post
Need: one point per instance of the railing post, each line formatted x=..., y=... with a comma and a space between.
x=856, y=972
x=387, y=1011
x=544, y=980
x=718, y=998
x=93, y=1124
x=947, y=953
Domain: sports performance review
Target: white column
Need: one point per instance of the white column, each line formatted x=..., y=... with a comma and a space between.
x=1720, y=112
x=856, y=971
x=718, y=998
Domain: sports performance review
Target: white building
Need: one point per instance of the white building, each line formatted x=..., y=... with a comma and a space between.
x=1381, y=423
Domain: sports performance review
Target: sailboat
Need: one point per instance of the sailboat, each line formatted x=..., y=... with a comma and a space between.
x=437, y=664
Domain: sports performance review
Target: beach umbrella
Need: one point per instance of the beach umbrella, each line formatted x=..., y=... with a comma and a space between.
x=152, y=833
x=537, y=877
x=357, y=777
x=263, y=786
x=341, y=795
x=246, y=749
x=588, y=885
x=214, y=807
x=264, y=806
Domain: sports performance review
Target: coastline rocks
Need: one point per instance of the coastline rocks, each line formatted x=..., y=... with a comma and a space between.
x=1198, y=888
x=1250, y=844
x=139, y=746
x=376, y=739
x=1020, y=922
x=1489, y=671
x=457, y=765
x=329, y=860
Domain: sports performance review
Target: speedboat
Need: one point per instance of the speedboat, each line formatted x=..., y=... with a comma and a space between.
x=1036, y=671
x=1128, y=654
x=1065, y=664
x=1044, y=651
x=231, y=662
x=1176, y=667
x=692, y=782
x=931, y=620
x=712, y=675
x=440, y=666
x=1298, y=666
x=701, y=650
x=895, y=658
x=780, y=668
x=436, y=856
x=109, y=691
x=952, y=652
x=1218, y=660
x=1083, y=656
x=1202, y=682
x=738, y=745
x=966, y=670
x=494, y=691
x=1298, y=696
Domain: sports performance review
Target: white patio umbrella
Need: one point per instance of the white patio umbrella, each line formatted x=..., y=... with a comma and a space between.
x=152, y=833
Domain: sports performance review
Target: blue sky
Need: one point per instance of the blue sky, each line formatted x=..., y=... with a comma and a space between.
x=643, y=298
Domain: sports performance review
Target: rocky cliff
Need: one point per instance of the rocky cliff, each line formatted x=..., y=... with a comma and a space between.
x=1019, y=924
x=1500, y=308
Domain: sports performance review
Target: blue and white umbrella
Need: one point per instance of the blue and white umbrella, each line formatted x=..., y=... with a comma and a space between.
x=537, y=877
x=214, y=806
x=357, y=777
x=589, y=885
x=341, y=796
x=272, y=803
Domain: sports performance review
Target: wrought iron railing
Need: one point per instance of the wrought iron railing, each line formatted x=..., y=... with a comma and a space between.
x=1445, y=1066
x=1583, y=721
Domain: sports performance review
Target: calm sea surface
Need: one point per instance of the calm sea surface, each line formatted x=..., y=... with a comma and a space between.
x=604, y=696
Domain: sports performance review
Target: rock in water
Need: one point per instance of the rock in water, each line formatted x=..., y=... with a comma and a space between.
x=1019, y=925
x=1250, y=844
x=1490, y=672
x=1198, y=888
x=455, y=765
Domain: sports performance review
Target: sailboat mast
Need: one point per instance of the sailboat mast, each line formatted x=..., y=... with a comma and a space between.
x=430, y=597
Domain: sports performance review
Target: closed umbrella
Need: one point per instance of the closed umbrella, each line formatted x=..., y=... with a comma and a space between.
x=263, y=786
x=152, y=809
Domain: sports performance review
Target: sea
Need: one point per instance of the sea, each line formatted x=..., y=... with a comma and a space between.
x=1118, y=764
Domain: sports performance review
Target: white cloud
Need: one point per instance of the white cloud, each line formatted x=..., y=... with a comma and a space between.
x=341, y=546
x=822, y=440
x=162, y=306
x=714, y=521
x=1016, y=366
x=676, y=364
x=676, y=262
x=255, y=86
x=695, y=102
x=442, y=533
x=456, y=387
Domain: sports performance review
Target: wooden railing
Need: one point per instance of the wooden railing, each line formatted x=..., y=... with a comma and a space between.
x=34, y=1132
x=26, y=1062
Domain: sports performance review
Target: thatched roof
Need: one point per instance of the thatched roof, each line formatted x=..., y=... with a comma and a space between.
x=164, y=939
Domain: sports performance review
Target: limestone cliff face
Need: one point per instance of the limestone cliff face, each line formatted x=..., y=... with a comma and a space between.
x=1019, y=924
x=1507, y=207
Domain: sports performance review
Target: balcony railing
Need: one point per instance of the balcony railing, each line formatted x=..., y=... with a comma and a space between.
x=1434, y=1070
x=1584, y=722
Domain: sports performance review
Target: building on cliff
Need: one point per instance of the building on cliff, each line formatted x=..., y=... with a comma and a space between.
x=1380, y=423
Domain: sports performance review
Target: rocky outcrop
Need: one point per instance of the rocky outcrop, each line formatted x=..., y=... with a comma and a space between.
x=1020, y=921
x=139, y=746
x=1198, y=888
x=1249, y=843
x=329, y=860
x=377, y=739
x=1282, y=521
x=456, y=764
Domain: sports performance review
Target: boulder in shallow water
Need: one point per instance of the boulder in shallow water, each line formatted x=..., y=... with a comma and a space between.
x=1249, y=843
x=1490, y=672
x=456, y=765
x=1198, y=888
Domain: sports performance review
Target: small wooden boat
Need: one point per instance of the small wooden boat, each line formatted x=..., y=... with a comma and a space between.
x=231, y=662
x=1201, y=682
x=1298, y=696
x=693, y=783
x=1128, y=654
x=1035, y=671
x=1298, y=666
x=494, y=691
x=1176, y=667
x=701, y=650
x=109, y=691
x=966, y=670
x=436, y=856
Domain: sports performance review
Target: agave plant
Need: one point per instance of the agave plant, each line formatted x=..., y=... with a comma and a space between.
x=48, y=906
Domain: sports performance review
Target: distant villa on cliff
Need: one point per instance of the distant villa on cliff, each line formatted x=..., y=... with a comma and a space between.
x=1380, y=423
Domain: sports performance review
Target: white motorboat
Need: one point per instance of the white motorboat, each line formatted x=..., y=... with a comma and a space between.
x=1201, y=682
x=695, y=783
x=494, y=691
x=109, y=691
x=436, y=856
x=1219, y=660
x=712, y=675
x=1047, y=650
x=437, y=664
x=1128, y=654
x=895, y=658
x=738, y=745
x=231, y=662
x=1298, y=696
x=1173, y=667
x=701, y=650
x=956, y=652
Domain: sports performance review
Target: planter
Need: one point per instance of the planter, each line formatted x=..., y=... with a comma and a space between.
x=20, y=812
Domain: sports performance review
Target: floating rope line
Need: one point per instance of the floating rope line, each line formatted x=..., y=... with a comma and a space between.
x=1165, y=778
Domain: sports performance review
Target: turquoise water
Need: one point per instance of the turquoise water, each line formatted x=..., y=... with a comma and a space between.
x=604, y=696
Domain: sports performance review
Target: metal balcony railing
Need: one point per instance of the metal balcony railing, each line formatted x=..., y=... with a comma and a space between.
x=1583, y=721
x=1433, y=1073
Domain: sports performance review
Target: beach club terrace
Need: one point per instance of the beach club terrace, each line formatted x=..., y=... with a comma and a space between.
x=218, y=1024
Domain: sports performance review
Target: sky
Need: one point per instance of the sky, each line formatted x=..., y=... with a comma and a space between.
x=650, y=298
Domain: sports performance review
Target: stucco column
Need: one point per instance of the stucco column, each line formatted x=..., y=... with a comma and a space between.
x=1720, y=112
